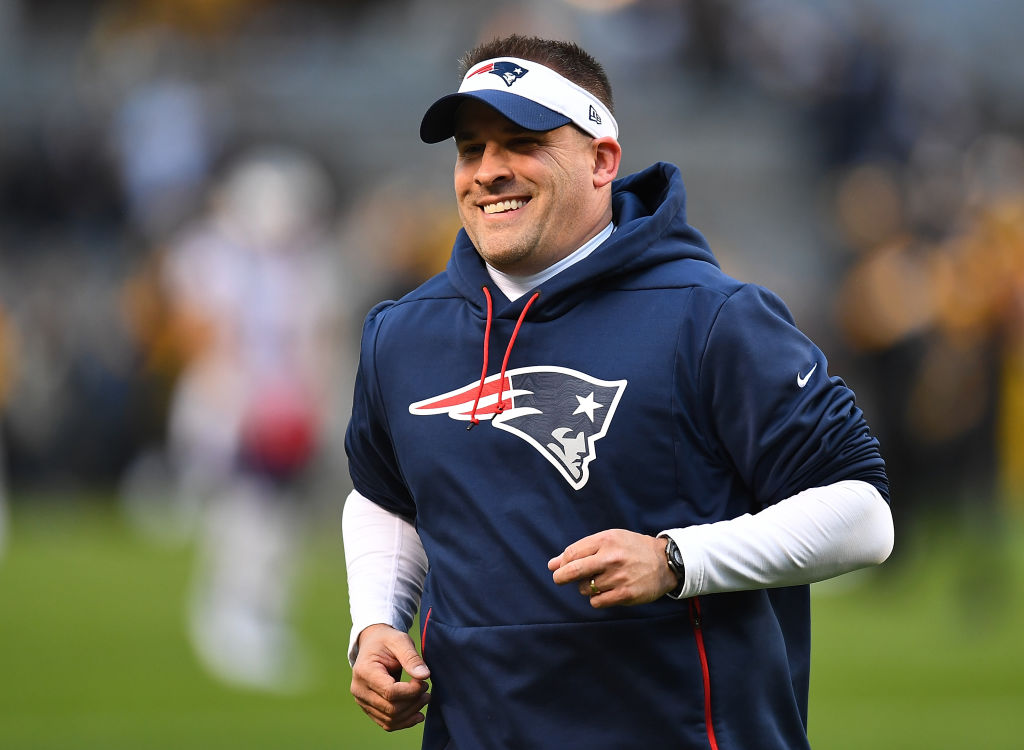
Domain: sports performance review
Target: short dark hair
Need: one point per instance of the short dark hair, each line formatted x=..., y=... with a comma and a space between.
x=567, y=59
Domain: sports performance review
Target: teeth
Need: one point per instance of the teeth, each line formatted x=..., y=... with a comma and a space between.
x=502, y=206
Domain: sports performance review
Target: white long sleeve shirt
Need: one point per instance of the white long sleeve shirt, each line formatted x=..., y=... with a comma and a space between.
x=814, y=535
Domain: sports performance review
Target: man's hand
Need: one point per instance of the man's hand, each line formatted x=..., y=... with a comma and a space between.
x=616, y=567
x=383, y=653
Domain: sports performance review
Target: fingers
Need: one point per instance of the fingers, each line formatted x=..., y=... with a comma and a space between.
x=604, y=594
x=384, y=652
x=615, y=567
x=616, y=591
x=578, y=562
x=393, y=706
x=403, y=710
x=583, y=548
x=590, y=587
x=411, y=660
x=391, y=650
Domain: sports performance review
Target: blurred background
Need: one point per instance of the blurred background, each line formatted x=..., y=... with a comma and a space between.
x=201, y=199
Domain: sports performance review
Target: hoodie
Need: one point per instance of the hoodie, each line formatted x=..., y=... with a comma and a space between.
x=641, y=388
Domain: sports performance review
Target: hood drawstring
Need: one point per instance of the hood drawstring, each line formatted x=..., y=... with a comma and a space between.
x=483, y=374
x=508, y=352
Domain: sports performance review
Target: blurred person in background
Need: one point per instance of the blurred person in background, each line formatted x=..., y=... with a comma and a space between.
x=921, y=309
x=253, y=287
x=7, y=345
x=936, y=324
x=583, y=582
x=909, y=305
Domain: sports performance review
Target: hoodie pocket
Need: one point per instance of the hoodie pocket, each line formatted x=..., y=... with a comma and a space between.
x=602, y=685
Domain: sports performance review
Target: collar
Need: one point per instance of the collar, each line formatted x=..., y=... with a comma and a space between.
x=515, y=287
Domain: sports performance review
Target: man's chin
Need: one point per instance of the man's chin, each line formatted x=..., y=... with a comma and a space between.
x=507, y=259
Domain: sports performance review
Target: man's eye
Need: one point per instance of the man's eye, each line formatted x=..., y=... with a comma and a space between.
x=470, y=149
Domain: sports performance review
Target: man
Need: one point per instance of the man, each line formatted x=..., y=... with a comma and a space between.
x=252, y=280
x=646, y=587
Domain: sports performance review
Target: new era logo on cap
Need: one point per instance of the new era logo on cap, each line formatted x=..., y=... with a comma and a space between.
x=507, y=71
x=594, y=116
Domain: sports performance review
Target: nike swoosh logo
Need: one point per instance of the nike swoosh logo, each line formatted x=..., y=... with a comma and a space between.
x=801, y=380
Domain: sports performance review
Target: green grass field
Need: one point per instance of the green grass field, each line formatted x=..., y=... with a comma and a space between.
x=93, y=652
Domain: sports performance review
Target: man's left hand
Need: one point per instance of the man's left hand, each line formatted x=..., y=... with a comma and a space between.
x=615, y=567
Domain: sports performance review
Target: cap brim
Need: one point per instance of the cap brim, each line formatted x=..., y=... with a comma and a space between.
x=439, y=121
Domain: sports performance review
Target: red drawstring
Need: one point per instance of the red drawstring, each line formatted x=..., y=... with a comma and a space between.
x=508, y=350
x=483, y=374
x=504, y=364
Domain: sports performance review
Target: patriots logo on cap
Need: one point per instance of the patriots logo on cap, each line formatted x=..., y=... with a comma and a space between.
x=562, y=413
x=507, y=71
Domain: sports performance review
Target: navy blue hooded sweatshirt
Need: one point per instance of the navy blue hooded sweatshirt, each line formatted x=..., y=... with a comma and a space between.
x=644, y=390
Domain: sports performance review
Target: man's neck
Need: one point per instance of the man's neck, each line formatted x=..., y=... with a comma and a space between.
x=515, y=287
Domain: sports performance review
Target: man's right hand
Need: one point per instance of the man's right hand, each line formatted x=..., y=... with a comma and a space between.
x=384, y=652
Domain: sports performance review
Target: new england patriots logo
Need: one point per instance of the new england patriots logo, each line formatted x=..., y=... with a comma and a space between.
x=508, y=71
x=560, y=412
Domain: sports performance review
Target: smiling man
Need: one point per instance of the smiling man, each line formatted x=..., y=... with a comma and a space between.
x=642, y=579
x=529, y=198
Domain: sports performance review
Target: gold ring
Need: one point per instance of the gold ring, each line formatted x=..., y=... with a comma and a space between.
x=594, y=590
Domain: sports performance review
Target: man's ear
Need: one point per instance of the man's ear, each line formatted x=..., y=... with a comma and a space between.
x=607, y=157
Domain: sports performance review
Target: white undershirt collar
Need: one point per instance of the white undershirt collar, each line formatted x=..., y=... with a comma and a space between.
x=515, y=287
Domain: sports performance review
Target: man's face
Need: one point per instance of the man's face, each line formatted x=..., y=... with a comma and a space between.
x=527, y=199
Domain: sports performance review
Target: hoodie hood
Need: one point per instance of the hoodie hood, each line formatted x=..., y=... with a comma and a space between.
x=649, y=212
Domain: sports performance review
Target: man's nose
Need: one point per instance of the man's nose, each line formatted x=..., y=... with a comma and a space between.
x=494, y=165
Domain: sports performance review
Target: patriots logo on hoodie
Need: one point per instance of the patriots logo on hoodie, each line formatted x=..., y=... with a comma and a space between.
x=560, y=412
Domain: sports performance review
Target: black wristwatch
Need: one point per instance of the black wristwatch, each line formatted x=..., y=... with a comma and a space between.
x=675, y=563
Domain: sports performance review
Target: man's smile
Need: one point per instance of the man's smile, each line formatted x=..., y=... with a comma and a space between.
x=499, y=207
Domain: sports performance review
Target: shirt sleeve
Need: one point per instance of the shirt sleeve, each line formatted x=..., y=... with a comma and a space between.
x=772, y=411
x=373, y=465
x=386, y=567
x=814, y=535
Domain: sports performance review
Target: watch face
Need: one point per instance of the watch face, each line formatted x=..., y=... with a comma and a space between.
x=675, y=557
